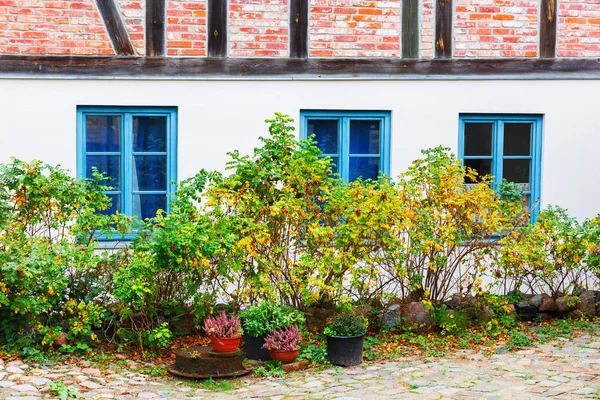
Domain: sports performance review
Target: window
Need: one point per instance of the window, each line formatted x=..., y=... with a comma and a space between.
x=136, y=148
x=357, y=141
x=506, y=147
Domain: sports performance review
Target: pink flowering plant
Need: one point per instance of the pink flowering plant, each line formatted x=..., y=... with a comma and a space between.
x=285, y=339
x=223, y=326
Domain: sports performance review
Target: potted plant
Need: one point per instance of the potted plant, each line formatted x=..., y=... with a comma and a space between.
x=224, y=331
x=345, y=333
x=283, y=344
x=259, y=321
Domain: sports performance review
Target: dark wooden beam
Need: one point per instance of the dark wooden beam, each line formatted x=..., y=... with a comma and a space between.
x=217, y=28
x=410, y=28
x=32, y=67
x=443, y=28
x=155, y=28
x=115, y=27
x=298, y=28
x=548, y=29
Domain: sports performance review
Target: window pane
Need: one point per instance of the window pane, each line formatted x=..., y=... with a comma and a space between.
x=517, y=139
x=115, y=206
x=482, y=167
x=364, y=137
x=478, y=139
x=110, y=165
x=516, y=170
x=102, y=133
x=326, y=134
x=365, y=167
x=149, y=173
x=146, y=205
x=149, y=133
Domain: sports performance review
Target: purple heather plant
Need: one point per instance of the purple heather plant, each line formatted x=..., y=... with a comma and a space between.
x=223, y=326
x=286, y=339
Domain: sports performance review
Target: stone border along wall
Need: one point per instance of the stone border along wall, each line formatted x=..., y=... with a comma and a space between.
x=533, y=307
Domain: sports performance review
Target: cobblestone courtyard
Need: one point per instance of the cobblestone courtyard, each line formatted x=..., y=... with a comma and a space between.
x=561, y=369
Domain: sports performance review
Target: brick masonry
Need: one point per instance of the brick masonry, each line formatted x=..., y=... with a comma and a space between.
x=496, y=28
x=337, y=28
x=134, y=16
x=578, y=28
x=354, y=28
x=258, y=28
x=186, y=28
x=427, y=25
x=52, y=28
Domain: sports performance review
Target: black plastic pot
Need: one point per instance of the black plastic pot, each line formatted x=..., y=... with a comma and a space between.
x=345, y=351
x=254, y=350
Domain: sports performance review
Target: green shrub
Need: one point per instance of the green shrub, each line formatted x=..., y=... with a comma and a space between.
x=451, y=322
x=346, y=323
x=545, y=256
x=266, y=317
x=518, y=339
x=170, y=265
x=274, y=200
x=51, y=277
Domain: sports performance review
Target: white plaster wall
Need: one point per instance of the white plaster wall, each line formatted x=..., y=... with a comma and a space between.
x=38, y=119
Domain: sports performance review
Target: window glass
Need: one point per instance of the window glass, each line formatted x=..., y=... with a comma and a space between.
x=364, y=167
x=364, y=137
x=505, y=147
x=103, y=133
x=483, y=167
x=478, y=139
x=145, y=205
x=516, y=170
x=149, y=173
x=326, y=134
x=356, y=141
x=517, y=139
x=149, y=134
x=110, y=165
x=135, y=147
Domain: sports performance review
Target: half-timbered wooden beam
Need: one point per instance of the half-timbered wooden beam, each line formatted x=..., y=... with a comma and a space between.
x=155, y=28
x=115, y=27
x=410, y=28
x=165, y=68
x=443, y=28
x=299, y=28
x=548, y=29
x=217, y=28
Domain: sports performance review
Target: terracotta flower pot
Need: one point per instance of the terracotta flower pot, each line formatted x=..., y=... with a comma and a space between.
x=59, y=341
x=225, y=345
x=284, y=356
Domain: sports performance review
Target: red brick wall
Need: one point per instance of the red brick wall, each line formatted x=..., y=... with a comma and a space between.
x=52, y=27
x=354, y=28
x=496, y=28
x=427, y=26
x=337, y=28
x=258, y=28
x=186, y=27
x=578, y=28
x=134, y=16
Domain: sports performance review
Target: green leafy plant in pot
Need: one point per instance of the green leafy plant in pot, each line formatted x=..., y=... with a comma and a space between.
x=261, y=320
x=224, y=331
x=283, y=344
x=345, y=334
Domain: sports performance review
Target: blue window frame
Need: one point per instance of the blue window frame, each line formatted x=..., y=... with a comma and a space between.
x=505, y=147
x=136, y=147
x=357, y=141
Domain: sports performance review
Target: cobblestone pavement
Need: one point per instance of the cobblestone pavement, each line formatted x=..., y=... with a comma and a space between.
x=561, y=369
